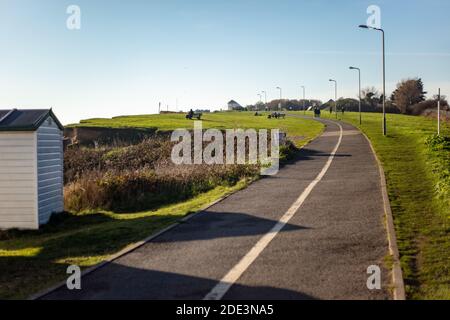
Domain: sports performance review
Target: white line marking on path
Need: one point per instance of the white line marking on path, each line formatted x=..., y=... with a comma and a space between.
x=236, y=272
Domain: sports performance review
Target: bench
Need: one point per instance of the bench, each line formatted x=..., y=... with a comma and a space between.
x=277, y=115
x=197, y=116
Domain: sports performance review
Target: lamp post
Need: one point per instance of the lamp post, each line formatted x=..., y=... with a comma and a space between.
x=384, y=75
x=281, y=97
x=359, y=92
x=265, y=99
x=259, y=101
x=335, y=96
x=304, y=110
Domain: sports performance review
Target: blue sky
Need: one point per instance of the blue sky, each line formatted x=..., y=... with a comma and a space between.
x=130, y=55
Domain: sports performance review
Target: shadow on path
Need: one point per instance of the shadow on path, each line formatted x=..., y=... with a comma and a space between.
x=212, y=225
x=127, y=283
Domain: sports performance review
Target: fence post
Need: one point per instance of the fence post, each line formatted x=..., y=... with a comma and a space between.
x=439, y=112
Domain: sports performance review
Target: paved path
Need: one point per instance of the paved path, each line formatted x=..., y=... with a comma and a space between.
x=322, y=252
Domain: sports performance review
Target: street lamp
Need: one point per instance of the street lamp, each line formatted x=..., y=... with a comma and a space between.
x=335, y=96
x=265, y=99
x=304, y=110
x=359, y=73
x=384, y=75
x=281, y=97
x=260, y=100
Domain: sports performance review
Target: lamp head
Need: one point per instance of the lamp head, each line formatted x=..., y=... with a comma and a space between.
x=363, y=26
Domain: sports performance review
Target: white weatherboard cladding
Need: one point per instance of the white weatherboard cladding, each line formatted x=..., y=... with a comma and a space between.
x=50, y=159
x=18, y=180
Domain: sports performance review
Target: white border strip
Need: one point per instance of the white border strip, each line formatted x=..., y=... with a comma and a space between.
x=236, y=272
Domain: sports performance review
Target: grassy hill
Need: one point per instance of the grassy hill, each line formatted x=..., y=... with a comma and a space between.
x=300, y=131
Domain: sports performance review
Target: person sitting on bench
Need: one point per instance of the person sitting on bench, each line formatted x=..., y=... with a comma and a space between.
x=191, y=114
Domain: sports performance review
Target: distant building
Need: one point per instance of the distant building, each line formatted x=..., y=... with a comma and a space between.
x=202, y=111
x=328, y=105
x=233, y=105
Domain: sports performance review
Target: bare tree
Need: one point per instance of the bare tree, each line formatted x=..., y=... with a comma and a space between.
x=408, y=93
x=371, y=96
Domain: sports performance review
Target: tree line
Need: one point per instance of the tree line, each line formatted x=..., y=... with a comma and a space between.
x=409, y=97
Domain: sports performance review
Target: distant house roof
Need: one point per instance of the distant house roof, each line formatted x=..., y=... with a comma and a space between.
x=326, y=104
x=25, y=120
x=233, y=102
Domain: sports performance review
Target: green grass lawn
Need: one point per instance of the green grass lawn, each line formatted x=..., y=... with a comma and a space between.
x=34, y=260
x=417, y=178
x=300, y=131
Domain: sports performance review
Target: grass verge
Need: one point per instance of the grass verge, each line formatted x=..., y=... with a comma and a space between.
x=34, y=260
x=417, y=173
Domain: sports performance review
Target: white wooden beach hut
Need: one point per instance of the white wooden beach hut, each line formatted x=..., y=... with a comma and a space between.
x=31, y=168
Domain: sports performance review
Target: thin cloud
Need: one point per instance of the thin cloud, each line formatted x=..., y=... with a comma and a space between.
x=371, y=53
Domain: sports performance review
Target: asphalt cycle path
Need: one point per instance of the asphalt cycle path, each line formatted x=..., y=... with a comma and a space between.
x=309, y=232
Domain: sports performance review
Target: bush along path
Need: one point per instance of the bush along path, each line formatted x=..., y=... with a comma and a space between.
x=143, y=177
